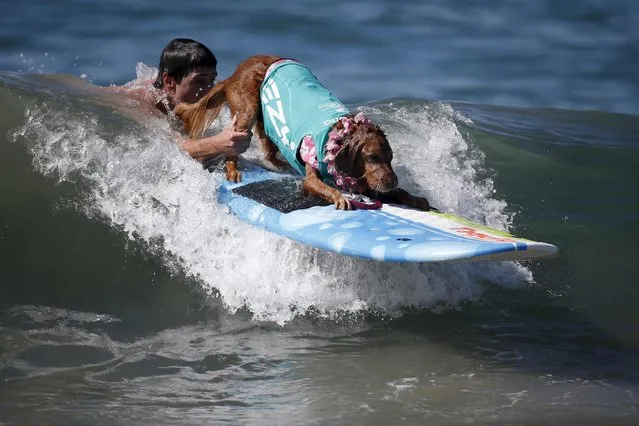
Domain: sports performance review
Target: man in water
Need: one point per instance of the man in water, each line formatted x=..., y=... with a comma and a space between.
x=186, y=72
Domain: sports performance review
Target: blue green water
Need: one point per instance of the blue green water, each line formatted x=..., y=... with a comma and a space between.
x=128, y=295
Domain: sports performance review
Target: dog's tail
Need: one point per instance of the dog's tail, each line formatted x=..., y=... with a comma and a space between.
x=198, y=117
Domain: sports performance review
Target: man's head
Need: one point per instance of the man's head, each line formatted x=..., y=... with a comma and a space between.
x=187, y=70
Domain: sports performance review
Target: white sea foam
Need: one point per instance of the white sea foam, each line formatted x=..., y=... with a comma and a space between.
x=136, y=179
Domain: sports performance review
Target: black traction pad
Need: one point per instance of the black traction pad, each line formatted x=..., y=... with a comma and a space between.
x=284, y=195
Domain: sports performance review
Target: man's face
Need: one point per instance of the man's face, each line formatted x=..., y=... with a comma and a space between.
x=194, y=86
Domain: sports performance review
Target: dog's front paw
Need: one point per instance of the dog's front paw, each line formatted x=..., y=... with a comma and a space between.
x=342, y=203
x=418, y=203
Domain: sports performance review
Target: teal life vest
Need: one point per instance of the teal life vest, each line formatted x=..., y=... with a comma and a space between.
x=294, y=105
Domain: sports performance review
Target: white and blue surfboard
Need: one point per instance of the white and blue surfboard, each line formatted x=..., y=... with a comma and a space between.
x=392, y=233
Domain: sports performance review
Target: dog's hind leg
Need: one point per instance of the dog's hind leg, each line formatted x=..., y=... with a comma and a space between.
x=198, y=116
x=245, y=107
x=269, y=149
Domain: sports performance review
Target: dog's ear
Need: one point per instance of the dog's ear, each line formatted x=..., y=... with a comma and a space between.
x=198, y=117
x=342, y=159
x=345, y=160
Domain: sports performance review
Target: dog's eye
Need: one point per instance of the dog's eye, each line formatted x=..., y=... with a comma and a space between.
x=374, y=158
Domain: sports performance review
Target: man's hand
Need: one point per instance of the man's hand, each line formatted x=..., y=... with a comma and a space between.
x=228, y=142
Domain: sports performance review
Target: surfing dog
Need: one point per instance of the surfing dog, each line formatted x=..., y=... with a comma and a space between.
x=292, y=113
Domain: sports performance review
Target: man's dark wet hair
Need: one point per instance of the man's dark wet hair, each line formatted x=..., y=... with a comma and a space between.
x=180, y=57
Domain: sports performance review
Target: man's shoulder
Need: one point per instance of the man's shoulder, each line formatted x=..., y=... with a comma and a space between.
x=143, y=91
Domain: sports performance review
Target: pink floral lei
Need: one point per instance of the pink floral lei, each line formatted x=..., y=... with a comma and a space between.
x=332, y=148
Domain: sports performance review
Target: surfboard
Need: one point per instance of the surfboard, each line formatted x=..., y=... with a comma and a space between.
x=393, y=233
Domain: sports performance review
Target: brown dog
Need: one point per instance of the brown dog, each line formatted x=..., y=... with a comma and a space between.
x=315, y=133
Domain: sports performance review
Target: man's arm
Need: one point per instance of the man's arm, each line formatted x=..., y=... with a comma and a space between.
x=229, y=143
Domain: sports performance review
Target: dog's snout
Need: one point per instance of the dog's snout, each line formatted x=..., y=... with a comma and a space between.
x=390, y=182
x=385, y=179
